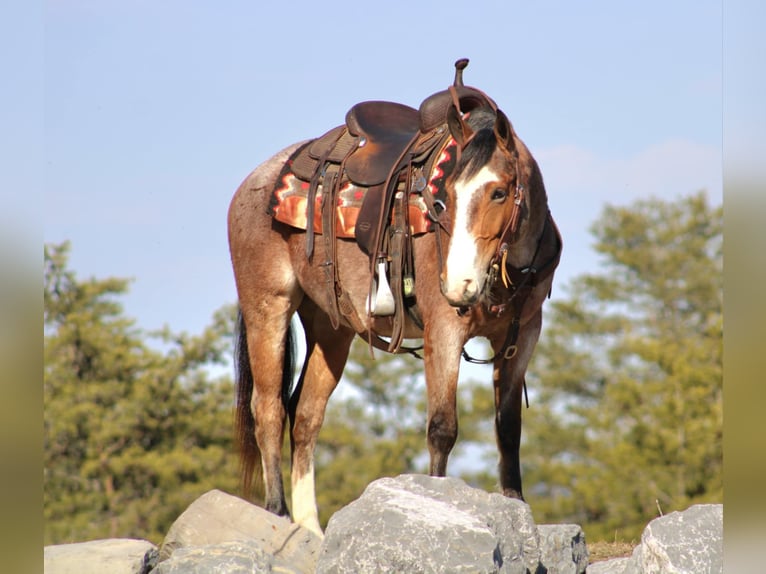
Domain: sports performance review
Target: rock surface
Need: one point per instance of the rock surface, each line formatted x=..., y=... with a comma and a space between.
x=113, y=555
x=416, y=523
x=237, y=557
x=613, y=566
x=562, y=548
x=688, y=542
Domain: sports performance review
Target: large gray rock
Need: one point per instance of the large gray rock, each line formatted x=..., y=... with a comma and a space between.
x=218, y=518
x=688, y=542
x=416, y=523
x=113, y=555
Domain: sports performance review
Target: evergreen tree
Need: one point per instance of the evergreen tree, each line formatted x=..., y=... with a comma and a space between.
x=132, y=435
x=626, y=421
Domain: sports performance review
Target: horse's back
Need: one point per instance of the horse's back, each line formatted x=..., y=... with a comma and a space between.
x=249, y=221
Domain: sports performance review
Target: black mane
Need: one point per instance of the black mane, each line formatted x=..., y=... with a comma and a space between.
x=479, y=150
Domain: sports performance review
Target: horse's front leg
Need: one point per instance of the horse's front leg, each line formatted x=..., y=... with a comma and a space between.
x=442, y=362
x=508, y=378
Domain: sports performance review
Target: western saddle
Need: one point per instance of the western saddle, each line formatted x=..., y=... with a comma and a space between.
x=388, y=149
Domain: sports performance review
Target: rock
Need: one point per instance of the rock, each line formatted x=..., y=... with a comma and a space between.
x=113, y=555
x=562, y=548
x=411, y=523
x=416, y=523
x=205, y=529
x=238, y=557
x=688, y=542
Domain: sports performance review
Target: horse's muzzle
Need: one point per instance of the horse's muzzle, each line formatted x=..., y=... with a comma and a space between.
x=464, y=294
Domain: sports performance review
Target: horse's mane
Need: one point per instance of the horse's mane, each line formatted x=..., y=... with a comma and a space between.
x=479, y=150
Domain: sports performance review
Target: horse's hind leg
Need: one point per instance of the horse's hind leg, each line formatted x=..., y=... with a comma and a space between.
x=326, y=353
x=267, y=327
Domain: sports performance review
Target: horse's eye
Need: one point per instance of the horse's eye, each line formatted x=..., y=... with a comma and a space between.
x=499, y=195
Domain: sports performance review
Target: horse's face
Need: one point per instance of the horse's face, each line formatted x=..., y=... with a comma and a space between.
x=482, y=198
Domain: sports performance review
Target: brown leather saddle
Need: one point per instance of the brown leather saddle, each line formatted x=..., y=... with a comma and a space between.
x=377, y=148
x=388, y=149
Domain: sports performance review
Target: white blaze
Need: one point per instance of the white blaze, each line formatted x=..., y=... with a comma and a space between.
x=464, y=273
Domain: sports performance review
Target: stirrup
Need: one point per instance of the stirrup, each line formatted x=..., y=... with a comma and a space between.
x=383, y=304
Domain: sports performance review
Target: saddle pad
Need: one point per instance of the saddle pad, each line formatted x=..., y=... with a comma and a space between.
x=290, y=202
x=289, y=199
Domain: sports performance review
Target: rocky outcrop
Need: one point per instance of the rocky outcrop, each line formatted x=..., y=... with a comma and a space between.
x=411, y=523
x=688, y=542
x=221, y=527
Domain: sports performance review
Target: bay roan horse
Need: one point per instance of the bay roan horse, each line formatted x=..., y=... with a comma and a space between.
x=484, y=269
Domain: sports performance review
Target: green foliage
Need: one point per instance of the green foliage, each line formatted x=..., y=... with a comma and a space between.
x=132, y=435
x=627, y=418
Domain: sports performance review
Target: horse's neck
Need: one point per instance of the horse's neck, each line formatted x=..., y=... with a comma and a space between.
x=524, y=248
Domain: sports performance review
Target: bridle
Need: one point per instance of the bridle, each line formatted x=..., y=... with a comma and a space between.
x=519, y=282
x=511, y=227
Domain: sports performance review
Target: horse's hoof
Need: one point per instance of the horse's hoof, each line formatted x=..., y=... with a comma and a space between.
x=513, y=493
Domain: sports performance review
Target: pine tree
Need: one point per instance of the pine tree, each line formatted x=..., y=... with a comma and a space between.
x=132, y=434
x=627, y=418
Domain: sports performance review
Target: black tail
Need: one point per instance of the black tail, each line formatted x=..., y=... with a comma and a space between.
x=249, y=454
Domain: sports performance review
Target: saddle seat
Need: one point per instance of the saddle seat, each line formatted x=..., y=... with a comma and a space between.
x=386, y=130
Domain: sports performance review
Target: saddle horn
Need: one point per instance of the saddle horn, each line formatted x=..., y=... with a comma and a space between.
x=433, y=110
x=460, y=65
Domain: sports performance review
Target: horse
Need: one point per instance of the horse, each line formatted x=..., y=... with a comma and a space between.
x=483, y=269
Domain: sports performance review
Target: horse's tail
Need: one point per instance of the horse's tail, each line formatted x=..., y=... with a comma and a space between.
x=249, y=453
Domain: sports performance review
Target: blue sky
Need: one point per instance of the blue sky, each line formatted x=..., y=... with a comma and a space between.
x=154, y=112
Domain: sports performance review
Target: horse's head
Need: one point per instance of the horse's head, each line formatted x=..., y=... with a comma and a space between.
x=489, y=190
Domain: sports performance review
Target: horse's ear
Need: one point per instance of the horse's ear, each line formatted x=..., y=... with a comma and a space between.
x=504, y=131
x=458, y=127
